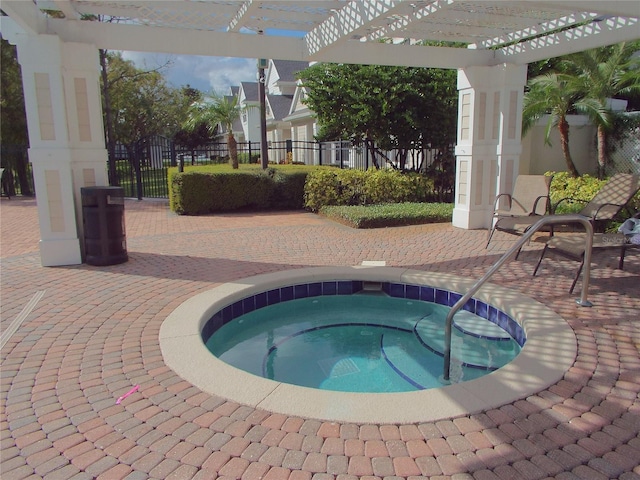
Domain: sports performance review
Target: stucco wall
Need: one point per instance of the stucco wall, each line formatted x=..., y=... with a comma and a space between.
x=538, y=158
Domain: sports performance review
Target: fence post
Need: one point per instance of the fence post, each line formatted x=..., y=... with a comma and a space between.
x=138, y=169
x=172, y=149
x=366, y=154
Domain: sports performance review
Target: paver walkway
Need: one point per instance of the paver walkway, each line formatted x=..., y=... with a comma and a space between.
x=88, y=334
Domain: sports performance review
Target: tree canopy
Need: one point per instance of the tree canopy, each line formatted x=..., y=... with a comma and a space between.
x=604, y=73
x=14, y=137
x=556, y=95
x=14, y=118
x=213, y=110
x=583, y=83
x=393, y=107
x=141, y=101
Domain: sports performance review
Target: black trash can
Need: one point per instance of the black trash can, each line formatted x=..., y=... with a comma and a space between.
x=105, y=241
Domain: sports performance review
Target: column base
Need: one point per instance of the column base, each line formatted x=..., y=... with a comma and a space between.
x=56, y=253
x=470, y=220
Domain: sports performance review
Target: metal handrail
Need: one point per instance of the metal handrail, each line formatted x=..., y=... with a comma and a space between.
x=546, y=220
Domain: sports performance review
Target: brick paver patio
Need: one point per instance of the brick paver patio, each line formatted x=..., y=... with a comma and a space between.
x=88, y=334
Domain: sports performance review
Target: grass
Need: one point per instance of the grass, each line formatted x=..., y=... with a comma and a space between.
x=389, y=215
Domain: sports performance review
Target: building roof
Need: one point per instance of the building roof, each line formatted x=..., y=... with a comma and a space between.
x=287, y=69
x=250, y=90
x=280, y=105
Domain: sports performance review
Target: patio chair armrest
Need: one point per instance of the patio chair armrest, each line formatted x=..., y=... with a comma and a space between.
x=497, y=200
x=603, y=206
x=547, y=206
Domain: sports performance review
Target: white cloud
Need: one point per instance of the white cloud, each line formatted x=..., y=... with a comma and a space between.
x=204, y=73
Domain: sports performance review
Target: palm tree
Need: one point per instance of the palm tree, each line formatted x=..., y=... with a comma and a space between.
x=214, y=110
x=605, y=73
x=553, y=94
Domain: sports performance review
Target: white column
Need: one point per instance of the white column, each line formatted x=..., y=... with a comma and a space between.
x=66, y=137
x=489, y=139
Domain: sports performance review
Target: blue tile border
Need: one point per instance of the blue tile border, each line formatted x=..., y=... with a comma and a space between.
x=423, y=293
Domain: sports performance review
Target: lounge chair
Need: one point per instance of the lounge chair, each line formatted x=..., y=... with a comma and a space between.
x=525, y=206
x=572, y=246
x=609, y=201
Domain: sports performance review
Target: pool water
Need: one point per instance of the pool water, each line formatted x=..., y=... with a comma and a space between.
x=360, y=343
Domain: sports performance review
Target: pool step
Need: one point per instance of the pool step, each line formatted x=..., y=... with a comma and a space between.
x=473, y=350
x=371, y=286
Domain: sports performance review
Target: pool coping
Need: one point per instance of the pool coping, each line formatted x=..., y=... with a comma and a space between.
x=550, y=350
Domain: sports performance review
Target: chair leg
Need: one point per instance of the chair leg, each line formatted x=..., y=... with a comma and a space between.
x=517, y=254
x=544, y=250
x=575, y=280
x=489, y=235
x=621, y=261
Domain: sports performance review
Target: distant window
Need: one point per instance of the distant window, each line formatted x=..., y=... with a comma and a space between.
x=244, y=117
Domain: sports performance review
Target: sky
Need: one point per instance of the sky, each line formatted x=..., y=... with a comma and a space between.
x=206, y=74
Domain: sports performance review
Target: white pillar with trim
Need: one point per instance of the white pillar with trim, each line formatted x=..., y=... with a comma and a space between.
x=66, y=136
x=489, y=139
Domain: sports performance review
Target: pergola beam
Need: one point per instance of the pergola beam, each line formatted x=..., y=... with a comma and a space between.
x=370, y=53
x=116, y=36
x=198, y=42
x=26, y=15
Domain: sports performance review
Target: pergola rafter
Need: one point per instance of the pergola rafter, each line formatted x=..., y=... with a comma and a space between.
x=403, y=22
x=26, y=15
x=348, y=23
x=530, y=32
x=339, y=30
x=584, y=37
x=246, y=10
x=67, y=9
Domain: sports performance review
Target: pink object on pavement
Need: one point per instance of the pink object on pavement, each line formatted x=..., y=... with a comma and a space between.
x=134, y=389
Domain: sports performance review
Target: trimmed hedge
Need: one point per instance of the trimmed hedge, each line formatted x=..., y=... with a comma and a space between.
x=582, y=188
x=208, y=189
x=327, y=186
x=389, y=215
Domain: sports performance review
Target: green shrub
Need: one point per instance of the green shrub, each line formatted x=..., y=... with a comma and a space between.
x=328, y=186
x=288, y=188
x=564, y=186
x=389, y=215
x=245, y=158
x=214, y=188
x=322, y=188
x=582, y=188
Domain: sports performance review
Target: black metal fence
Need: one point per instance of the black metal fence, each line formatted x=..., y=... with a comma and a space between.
x=17, y=176
x=141, y=167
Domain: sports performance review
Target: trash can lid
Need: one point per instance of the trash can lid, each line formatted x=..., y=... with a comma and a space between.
x=100, y=188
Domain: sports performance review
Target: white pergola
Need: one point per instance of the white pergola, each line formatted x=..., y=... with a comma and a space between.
x=58, y=53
